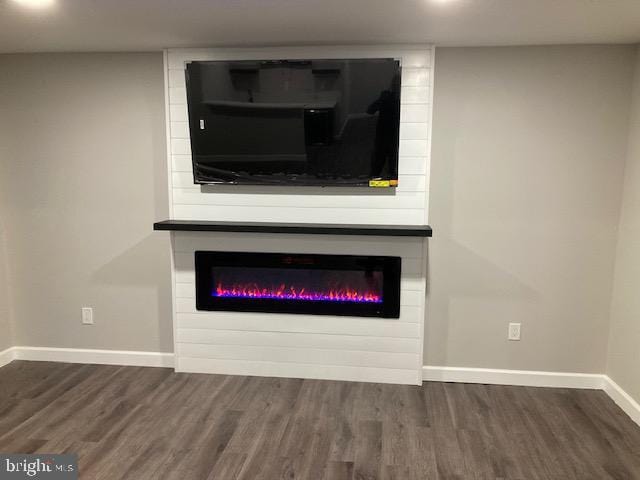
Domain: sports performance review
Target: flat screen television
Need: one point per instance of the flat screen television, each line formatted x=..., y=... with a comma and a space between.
x=295, y=122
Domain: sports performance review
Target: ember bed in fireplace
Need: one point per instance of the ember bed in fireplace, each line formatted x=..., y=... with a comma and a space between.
x=366, y=286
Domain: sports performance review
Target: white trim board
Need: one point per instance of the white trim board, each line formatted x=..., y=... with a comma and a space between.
x=102, y=357
x=7, y=356
x=524, y=378
x=622, y=399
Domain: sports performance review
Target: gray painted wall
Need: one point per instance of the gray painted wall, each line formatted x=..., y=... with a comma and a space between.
x=82, y=179
x=6, y=324
x=528, y=154
x=6, y=333
x=527, y=168
x=624, y=341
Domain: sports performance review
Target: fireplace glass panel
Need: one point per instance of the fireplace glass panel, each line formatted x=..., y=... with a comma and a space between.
x=298, y=283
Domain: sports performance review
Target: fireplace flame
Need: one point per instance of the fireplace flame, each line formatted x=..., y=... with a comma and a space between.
x=282, y=292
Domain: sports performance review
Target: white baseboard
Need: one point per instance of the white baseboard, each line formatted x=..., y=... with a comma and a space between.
x=622, y=399
x=525, y=378
x=7, y=356
x=102, y=357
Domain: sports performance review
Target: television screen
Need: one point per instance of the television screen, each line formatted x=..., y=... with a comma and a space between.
x=295, y=122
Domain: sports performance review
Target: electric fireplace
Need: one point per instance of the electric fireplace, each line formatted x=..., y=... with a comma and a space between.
x=352, y=285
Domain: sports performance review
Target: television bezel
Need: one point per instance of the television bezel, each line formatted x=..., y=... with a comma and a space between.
x=367, y=183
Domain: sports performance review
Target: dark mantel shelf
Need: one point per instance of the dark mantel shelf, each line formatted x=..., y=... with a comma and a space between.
x=295, y=228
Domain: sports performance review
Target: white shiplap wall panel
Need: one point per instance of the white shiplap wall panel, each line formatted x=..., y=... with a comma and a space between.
x=177, y=79
x=180, y=146
x=182, y=164
x=180, y=130
x=268, y=368
x=411, y=77
x=414, y=94
x=414, y=148
x=301, y=340
x=178, y=95
x=408, y=314
x=288, y=354
x=407, y=247
x=178, y=113
x=307, y=346
x=287, y=214
x=414, y=131
x=414, y=114
x=311, y=324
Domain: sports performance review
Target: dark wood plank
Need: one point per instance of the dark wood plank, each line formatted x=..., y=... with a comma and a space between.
x=295, y=228
x=368, y=462
x=339, y=471
x=150, y=423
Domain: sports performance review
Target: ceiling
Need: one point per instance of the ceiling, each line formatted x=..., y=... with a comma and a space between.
x=143, y=25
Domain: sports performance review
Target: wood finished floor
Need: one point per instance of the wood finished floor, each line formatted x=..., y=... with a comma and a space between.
x=151, y=423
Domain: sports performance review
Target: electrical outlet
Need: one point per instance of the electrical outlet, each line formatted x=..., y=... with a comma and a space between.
x=514, y=331
x=87, y=316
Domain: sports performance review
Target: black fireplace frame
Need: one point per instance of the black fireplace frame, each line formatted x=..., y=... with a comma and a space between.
x=390, y=266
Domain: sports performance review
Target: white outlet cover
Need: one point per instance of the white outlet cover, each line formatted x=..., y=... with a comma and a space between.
x=87, y=316
x=514, y=331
